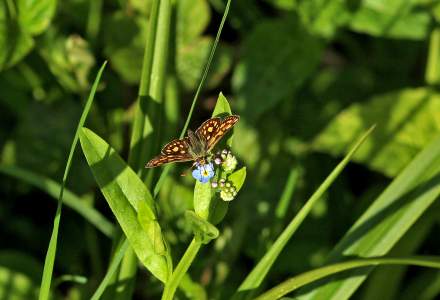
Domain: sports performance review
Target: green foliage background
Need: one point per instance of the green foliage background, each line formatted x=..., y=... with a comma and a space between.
x=307, y=77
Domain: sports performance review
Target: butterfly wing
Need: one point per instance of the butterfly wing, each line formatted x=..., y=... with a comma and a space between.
x=221, y=130
x=175, y=151
x=208, y=129
x=164, y=159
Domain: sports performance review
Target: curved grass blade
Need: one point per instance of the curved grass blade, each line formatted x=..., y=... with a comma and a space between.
x=52, y=188
x=385, y=222
x=257, y=275
x=298, y=281
x=51, y=251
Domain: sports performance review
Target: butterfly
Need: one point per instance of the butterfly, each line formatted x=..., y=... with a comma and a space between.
x=197, y=145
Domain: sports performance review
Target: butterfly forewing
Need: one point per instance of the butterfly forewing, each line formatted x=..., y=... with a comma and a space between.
x=208, y=129
x=224, y=127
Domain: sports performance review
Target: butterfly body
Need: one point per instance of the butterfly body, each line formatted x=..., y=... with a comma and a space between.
x=197, y=145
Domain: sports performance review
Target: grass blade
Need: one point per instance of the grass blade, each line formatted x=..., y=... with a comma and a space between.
x=52, y=188
x=256, y=276
x=51, y=251
x=389, y=217
x=116, y=260
x=196, y=96
x=308, y=277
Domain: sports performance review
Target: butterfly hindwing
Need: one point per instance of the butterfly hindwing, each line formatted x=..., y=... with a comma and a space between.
x=164, y=159
x=176, y=146
x=224, y=127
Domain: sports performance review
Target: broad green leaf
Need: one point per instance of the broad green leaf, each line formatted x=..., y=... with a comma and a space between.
x=15, y=43
x=392, y=18
x=324, y=17
x=192, y=55
x=69, y=59
x=204, y=231
x=222, y=106
x=129, y=199
x=193, y=17
x=298, y=281
x=387, y=220
x=277, y=57
x=35, y=15
x=51, y=187
x=406, y=121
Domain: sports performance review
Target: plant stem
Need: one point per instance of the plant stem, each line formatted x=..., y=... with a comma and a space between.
x=181, y=269
x=432, y=73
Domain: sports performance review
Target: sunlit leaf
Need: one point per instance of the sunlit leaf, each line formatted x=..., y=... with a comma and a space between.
x=129, y=200
x=406, y=121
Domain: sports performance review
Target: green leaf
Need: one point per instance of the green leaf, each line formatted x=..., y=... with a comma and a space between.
x=193, y=17
x=15, y=43
x=129, y=199
x=257, y=275
x=407, y=121
x=324, y=17
x=222, y=107
x=387, y=219
x=69, y=59
x=191, y=57
x=396, y=18
x=203, y=231
x=35, y=15
x=238, y=178
x=52, y=188
x=298, y=281
x=274, y=51
x=202, y=199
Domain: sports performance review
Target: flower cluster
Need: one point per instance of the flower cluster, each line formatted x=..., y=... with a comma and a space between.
x=204, y=172
x=226, y=159
x=227, y=189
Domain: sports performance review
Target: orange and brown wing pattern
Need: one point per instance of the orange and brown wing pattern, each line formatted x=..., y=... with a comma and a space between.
x=224, y=127
x=164, y=159
x=176, y=146
x=208, y=129
x=174, y=151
